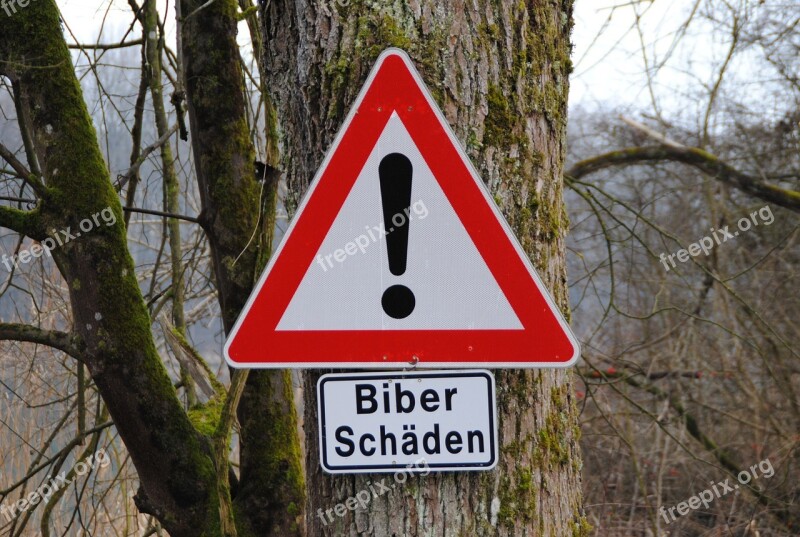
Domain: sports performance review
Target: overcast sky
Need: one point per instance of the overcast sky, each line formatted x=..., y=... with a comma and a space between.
x=608, y=58
x=608, y=67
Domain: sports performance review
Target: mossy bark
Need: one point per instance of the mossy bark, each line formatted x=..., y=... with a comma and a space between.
x=499, y=71
x=704, y=161
x=238, y=216
x=172, y=458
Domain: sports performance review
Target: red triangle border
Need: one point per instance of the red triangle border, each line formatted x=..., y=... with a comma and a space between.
x=544, y=341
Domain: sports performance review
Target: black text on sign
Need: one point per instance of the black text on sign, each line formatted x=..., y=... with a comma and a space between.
x=383, y=422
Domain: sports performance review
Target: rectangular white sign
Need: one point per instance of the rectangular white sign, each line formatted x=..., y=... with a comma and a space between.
x=414, y=421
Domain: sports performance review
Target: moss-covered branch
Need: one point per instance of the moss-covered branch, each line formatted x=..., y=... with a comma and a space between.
x=23, y=222
x=154, y=44
x=692, y=156
x=69, y=343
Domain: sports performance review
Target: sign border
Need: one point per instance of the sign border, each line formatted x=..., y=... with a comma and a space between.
x=438, y=467
x=394, y=363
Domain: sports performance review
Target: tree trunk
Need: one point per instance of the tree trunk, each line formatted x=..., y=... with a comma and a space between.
x=499, y=72
x=238, y=216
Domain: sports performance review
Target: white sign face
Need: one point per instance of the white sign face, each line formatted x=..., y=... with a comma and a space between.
x=452, y=286
x=413, y=421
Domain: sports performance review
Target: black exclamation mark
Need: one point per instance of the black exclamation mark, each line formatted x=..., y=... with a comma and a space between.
x=395, y=174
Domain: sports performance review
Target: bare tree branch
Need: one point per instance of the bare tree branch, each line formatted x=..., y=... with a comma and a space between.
x=692, y=426
x=191, y=360
x=21, y=170
x=14, y=162
x=126, y=209
x=108, y=46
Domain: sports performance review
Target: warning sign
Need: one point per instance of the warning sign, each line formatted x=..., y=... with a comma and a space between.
x=398, y=254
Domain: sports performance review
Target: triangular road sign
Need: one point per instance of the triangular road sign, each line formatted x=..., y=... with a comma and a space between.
x=397, y=255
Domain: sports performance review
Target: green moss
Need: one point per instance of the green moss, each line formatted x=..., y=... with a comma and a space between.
x=560, y=433
x=378, y=27
x=556, y=395
x=518, y=498
x=550, y=222
x=580, y=527
x=522, y=389
x=513, y=449
x=388, y=34
x=338, y=73
x=525, y=215
x=546, y=54
x=533, y=203
x=553, y=444
x=488, y=32
x=269, y=417
x=246, y=13
x=473, y=143
x=205, y=418
x=500, y=118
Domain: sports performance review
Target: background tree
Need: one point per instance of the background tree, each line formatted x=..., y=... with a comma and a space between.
x=691, y=369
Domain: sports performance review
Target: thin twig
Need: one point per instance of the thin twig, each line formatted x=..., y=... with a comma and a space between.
x=110, y=46
x=123, y=179
x=127, y=209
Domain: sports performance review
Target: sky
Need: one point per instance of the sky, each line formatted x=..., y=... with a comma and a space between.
x=607, y=53
x=616, y=44
x=608, y=63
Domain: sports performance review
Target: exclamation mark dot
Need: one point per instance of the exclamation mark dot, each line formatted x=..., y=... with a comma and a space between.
x=395, y=172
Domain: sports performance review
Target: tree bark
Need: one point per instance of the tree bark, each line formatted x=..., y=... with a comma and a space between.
x=499, y=71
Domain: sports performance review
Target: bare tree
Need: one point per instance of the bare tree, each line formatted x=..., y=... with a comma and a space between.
x=690, y=367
